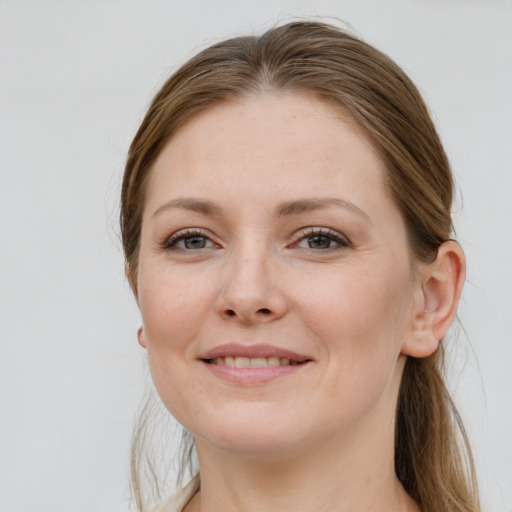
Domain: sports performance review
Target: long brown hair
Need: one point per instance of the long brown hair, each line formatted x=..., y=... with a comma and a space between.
x=432, y=455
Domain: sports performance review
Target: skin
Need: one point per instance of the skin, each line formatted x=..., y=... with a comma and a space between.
x=250, y=271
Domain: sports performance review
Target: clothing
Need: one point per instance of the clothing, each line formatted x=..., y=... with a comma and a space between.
x=175, y=502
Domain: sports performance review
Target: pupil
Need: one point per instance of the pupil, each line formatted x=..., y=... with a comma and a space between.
x=196, y=242
x=319, y=242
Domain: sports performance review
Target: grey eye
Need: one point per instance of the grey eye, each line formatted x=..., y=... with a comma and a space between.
x=319, y=242
x=194, y=242
x=188, y=241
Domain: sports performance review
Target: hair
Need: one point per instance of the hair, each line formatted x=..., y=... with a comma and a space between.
x=432, y=455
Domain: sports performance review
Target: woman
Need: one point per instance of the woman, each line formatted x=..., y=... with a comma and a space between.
x=286, y=226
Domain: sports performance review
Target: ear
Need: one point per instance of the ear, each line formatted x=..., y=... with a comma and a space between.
x=133, y=283
x=141, y=336
x=441, y=285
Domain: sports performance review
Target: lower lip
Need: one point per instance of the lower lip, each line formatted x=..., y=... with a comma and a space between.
x=252, y=376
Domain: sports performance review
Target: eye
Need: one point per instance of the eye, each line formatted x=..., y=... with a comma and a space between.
x=188, y=240
x=321, y=239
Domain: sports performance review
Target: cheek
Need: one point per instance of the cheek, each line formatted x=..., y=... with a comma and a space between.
x=362, y=322
x=172, y=305
x=360, y=313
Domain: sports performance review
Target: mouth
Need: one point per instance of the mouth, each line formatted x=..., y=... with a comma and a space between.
x=253, y=364
x=236, y=355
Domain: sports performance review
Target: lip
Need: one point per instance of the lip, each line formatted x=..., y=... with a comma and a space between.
x=260, y=350
x=253, y=376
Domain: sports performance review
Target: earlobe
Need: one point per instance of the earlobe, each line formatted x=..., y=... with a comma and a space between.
x=441, y=287
x=141, y=336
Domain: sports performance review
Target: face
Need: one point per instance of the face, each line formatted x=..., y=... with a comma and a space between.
x=275, y=280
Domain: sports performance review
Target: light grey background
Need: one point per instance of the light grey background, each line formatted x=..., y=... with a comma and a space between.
x=75, y=79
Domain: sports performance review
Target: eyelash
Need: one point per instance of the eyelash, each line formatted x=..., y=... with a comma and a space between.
x=172, y=242
x=329, y=234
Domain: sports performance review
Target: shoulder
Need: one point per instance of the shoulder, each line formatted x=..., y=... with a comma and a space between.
x=175, y=502
x=172, y=503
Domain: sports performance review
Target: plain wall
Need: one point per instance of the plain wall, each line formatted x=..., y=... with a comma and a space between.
x=75, y=79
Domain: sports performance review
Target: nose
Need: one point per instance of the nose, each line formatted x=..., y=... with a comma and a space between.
x=250, y=291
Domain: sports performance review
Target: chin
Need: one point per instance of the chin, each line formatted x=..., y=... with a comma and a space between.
x=254, y=445
x=254, y=433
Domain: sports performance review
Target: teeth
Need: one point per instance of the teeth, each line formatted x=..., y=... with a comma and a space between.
x=253, y=362
x=242, y=362
x=258, y=362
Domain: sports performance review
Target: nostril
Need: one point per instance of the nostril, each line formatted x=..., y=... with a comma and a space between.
x=262, y=312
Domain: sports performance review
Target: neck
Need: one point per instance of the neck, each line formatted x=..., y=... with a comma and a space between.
x=355, y=473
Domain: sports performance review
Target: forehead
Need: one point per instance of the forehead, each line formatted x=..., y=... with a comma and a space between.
x=267, y=145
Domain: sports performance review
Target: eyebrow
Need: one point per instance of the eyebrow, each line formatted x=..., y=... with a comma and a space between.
x=296, y=207
x=309, y=205
x=195, y=205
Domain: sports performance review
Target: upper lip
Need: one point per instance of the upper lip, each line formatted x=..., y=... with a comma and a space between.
x=253, y=351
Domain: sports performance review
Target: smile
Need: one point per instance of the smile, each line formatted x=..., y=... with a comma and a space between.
x=251, y=365
x=253, y=362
